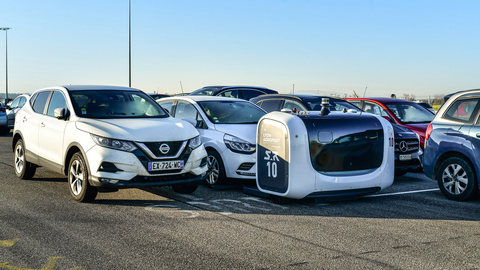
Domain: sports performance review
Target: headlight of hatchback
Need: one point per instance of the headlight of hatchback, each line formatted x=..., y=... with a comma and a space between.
x=195, y=142
x=114, y=144
x=238, y=145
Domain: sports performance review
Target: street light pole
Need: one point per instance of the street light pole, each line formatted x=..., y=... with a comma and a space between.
x=129, y=47
x=6, y=62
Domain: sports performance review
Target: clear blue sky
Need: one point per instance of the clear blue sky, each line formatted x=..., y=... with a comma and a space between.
x=414, y=47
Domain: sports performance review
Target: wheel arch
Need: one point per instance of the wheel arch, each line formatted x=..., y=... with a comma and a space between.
x=451, y=154
x=72, y=149
x=17, y=136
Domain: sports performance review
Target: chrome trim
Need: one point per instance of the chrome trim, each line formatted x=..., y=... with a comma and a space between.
x=152, y=155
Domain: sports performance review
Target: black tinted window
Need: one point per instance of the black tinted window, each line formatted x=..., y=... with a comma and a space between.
x=248, y=94
x=270, y=105
x=57, y=101
x=40, y=101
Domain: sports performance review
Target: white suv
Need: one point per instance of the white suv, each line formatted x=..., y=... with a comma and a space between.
x=109, y=137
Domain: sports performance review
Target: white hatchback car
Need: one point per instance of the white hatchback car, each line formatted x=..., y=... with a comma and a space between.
x=228, y=130
x=106, y=136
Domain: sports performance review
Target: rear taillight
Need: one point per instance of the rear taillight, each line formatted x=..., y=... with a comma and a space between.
x=427, y=133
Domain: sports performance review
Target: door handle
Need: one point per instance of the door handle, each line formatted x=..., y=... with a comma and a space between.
x=478, y=135
x=42, y=124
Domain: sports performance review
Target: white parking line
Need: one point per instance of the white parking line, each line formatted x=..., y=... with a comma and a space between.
x=405, y=192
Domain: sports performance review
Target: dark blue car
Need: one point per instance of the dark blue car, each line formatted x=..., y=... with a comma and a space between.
x=452, y=146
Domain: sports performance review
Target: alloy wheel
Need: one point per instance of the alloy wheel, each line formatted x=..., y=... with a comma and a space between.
x=76, y=177
x=455, y=179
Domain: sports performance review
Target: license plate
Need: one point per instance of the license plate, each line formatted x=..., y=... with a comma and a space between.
x=165, y=165
x=405, y=157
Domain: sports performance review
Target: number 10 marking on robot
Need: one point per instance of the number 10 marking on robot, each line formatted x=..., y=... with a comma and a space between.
x=271, y=166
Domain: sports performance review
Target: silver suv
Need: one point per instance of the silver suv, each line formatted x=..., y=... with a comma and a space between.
x=105, y=136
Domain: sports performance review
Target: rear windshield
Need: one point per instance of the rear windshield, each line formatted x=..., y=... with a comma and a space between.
x=410, y=113
x=115, y=104
x=335, y=105
x=231, y=112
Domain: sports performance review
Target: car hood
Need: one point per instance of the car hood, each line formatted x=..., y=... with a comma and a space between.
x=403, y=132
x=247, y=132
x=140, y=130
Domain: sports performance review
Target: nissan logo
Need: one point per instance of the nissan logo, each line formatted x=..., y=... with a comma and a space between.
x=164, y=148
x=403, y=146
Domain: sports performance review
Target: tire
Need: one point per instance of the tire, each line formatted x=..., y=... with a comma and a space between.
x=23, y=168
x=78, y=184
x=216, y=170
x=185, y=188
x=457, y=180
x=4, y=131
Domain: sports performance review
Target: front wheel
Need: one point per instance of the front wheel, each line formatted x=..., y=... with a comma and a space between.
x=456, y=179
x=23, y=168
x=79, y=187
x=216, y=170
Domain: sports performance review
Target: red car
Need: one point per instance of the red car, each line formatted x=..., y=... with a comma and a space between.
x=402, y=112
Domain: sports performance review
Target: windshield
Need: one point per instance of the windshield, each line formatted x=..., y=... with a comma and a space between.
x=210, y=91
x=231, y=112
x=115, y=104
x=335, y=105
x=410, y=113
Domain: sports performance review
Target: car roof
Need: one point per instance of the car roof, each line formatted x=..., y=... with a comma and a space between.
x=219, y=88
x=381, y=99
x=202, y=98
x=446, y=97
x=97, y=87
x=296, y=96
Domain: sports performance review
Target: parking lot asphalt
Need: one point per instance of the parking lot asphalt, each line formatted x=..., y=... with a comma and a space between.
x=409, y=225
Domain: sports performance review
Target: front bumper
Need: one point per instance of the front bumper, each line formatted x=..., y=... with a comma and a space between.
x=127, y=169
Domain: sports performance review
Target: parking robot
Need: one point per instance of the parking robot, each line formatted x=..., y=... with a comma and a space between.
x=324, y=154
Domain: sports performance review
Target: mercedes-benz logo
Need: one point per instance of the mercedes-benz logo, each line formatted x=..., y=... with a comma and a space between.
x=403, y=146
x=164, y=148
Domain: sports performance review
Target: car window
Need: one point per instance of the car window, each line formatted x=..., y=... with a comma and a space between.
x=185, y=110
x=290, y=104
x=248, y=94
x=167, y=105
x=57, y=101
x=461, y=110
x=115, y=104
x=410, y=112
x=231, y=112
x=270, y=105
x=40, y=101
x=229, y=93
x=15, y=103
x=22, y=102
x=355, y=102
x=374, y=108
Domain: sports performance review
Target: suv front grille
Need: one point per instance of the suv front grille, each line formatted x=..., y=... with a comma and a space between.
x=163, y=150
x=407, y=146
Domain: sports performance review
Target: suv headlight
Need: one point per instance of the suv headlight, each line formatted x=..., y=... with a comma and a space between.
x=238, y=145
x=195, y=142
x=114, y=144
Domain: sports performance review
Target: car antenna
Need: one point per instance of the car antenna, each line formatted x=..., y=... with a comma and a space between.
x=364, y=92
x=355, y=93
x=181, y=86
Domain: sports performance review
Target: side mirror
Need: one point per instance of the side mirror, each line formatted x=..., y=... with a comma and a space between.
x=286, y=110
x=61, y=113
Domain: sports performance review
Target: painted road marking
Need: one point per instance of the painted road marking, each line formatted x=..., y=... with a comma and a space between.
x=8, y=243
x=404, y=192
